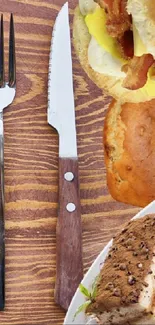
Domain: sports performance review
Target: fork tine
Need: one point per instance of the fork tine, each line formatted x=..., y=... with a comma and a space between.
x=12, y=57
x=2, y=54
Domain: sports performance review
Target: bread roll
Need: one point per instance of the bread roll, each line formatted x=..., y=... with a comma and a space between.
x=129, y=143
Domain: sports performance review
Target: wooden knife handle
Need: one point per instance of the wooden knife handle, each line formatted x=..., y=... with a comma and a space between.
x=69, y=266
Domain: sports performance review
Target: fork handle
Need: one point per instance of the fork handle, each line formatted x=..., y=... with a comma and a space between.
x=2, y=245
x=69, y=271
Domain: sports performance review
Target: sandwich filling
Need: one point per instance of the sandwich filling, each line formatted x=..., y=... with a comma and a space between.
x=117, y=47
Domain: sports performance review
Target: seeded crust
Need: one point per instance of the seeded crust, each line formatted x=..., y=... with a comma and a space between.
x=125, y=289
x=129, y=143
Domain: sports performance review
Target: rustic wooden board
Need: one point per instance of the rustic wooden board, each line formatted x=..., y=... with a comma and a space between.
x=31, y=171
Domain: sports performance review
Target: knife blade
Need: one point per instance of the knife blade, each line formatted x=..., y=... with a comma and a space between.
x=61, y=116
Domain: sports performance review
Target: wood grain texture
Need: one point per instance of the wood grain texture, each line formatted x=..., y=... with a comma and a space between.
x=31, y=171
x=69, y=262
x=2, y=230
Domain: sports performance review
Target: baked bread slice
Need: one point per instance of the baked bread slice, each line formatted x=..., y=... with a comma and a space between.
x=125, y=287
x=84, y=43
x=129, y=143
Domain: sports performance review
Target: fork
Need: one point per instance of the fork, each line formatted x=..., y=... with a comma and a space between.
x=7, y=94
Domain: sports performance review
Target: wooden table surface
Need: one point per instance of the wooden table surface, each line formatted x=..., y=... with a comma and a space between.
x=31, y=170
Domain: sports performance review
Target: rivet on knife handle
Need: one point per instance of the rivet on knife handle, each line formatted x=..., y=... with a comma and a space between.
x=69, y=271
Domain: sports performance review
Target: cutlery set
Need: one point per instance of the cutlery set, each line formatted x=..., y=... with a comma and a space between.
x=61, y=116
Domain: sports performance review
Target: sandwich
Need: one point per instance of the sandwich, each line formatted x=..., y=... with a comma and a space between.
x=114, y=41
x=125, y=288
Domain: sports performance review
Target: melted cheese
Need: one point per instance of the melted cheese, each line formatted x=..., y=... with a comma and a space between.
x=96, y=23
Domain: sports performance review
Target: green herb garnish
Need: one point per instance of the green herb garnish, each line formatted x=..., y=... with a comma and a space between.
x=82, y=308
x=94, y=286
x=89, y=295
x=84, y=291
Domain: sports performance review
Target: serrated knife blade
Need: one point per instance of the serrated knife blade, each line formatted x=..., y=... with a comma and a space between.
x=61, y=107
x=61, y=115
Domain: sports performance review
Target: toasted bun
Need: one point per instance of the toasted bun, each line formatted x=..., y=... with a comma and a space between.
x=129, y=142
x=143, y=14
x=111, y=85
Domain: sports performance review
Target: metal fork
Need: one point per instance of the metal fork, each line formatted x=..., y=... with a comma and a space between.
x=7, y=94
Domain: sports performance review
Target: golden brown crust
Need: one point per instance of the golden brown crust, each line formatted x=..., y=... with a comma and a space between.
x=109, y=84
x=151, y=9
x=129, y=142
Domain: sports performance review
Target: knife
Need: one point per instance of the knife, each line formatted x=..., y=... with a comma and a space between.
x=61, y=116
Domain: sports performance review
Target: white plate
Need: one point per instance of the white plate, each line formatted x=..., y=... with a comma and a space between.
x=90, y=276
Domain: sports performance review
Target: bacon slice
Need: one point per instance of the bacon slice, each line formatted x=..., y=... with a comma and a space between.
x=137, y=70
x=118, y=20
x=118, y=25
x=110, y=5
x=115, y=6
x=126, y=45
x=106, y=4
